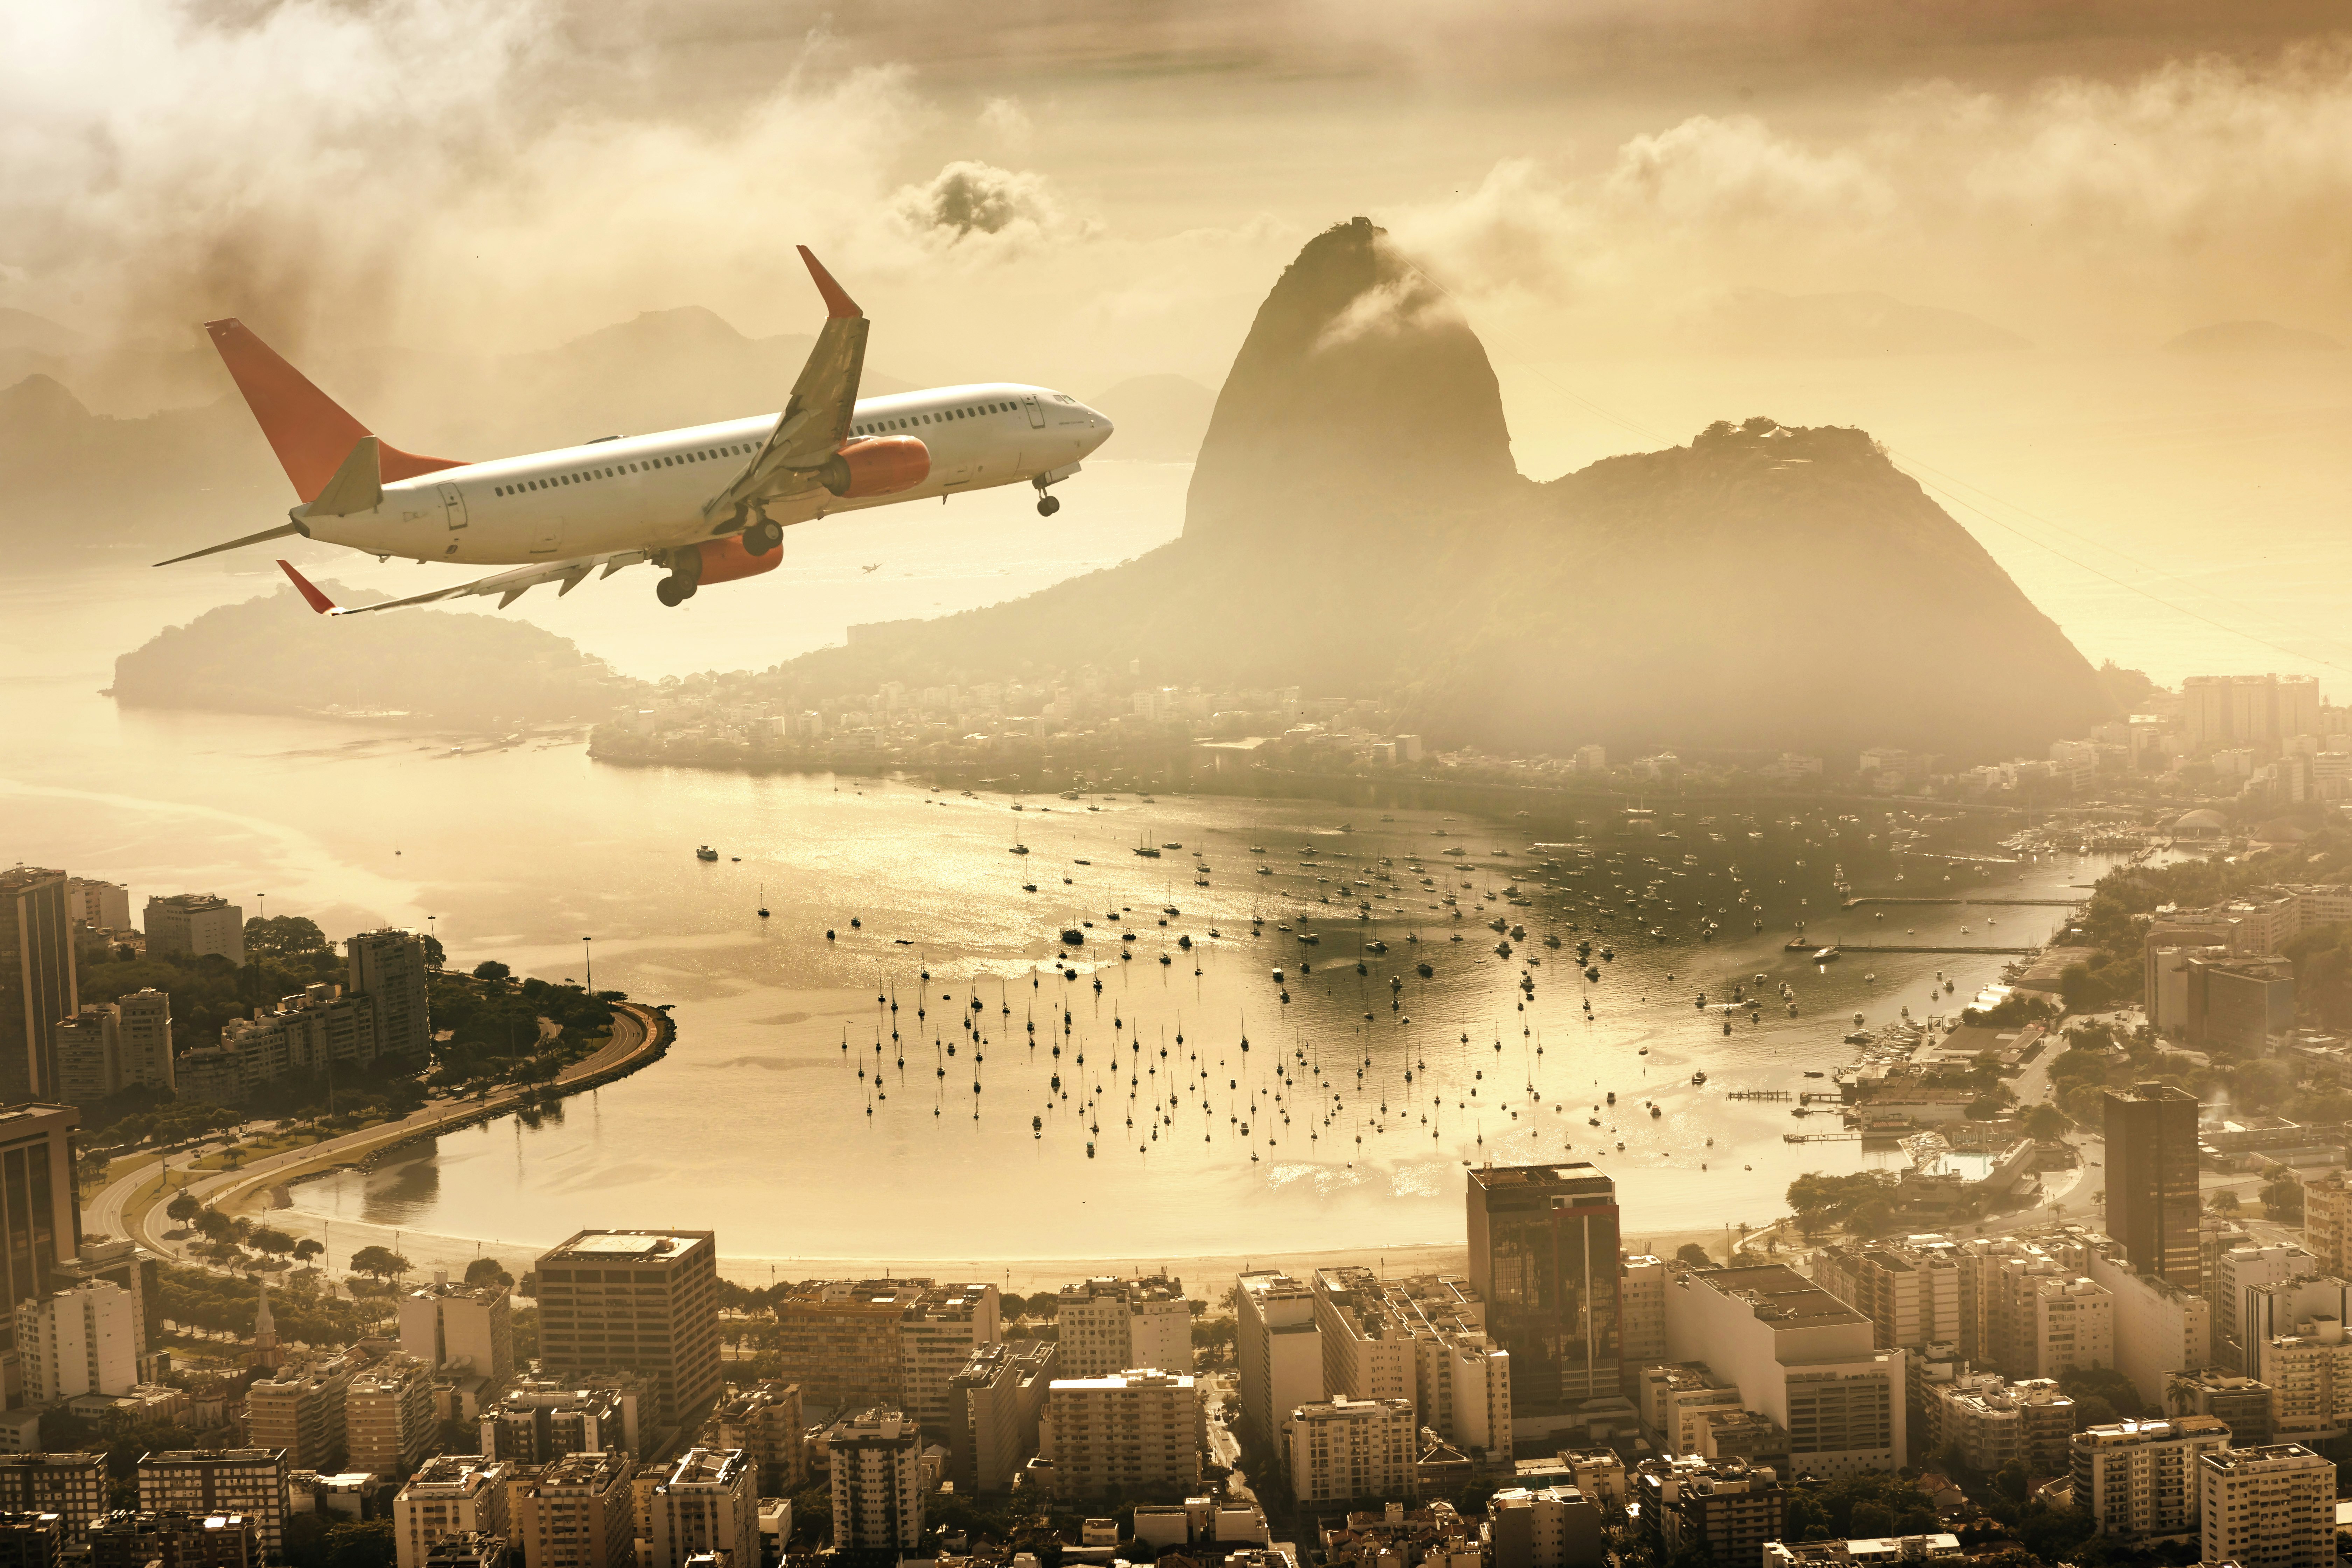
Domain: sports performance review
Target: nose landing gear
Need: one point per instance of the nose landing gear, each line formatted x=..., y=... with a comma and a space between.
x=1046, y=505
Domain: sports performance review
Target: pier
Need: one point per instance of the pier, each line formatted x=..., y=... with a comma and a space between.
x=1855, y=903
x=1759, y=1094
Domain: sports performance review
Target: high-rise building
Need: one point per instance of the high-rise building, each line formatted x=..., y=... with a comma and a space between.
x=388, y=1419
x=1280, y=1349
x=839, y=1339
x=1544, y=1258
x=1728, y=1511
x=540, y=1420
x=31, y=1540
x=707, y=1501
x=2237, y=1273
x=71, y=1485
x=101, y=906
x=2273, y=1507
x=2152, y=1199
x=1910, y=1291
x=764, y=1421
x=1798, y=1357
x=878, y=1482
x=145, y=1020
x=81, y=1341
x=2240, y=1404
x=1136, y=1432
x=578, y=1512
x=472, y=1549
x=1342, y=1450
x=443, y=1324
x=37, y=986
x=2327, y=1223
x=1003, y=1391
x=389, y=966
x=192, y=925
x=1107, y=1325
x=646, y=1301
x=38, y=1194
x=1366, y=1355
x=1544, y=1526
x=174, y=1538
x=2140, y=1477
x=450, y=1494
x=937, y=1331
x=251, y=1481
x=298, y=1411
x=1992, y=1421
x=90, y=1055
x=1641, y=1308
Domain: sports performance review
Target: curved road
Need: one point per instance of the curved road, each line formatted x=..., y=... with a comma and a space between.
x=635, y=1029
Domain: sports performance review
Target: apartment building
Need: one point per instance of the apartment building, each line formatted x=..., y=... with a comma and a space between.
x=80, y=1340
x=1131, y=1431
x=839, y=1339
x=193, y=924
x=249, y=1481
x=1799, y=1357
x=1367, y=1354
x=1544, y=1526
x=173, y=1538
x=2140, y=1477
x=2237, y=1273
x=2160, y=1327
x=1992, y=1421
x=1909, y=1291
x=1003, y=1390
x=2296, y=1346
x=1673, y=1400
x=1280, y=1347
x=453, y=1326
x=449, y=1494
x=877, y=1490
x=937, y=1331
x=2327, y=1223
x=388, y=1420
x=1728, y=1511
x=299, y=1409
x=707, y=1502
x=764, y=1421
x=1345, y=1449
x=71, y=1485
x=1641, y=1305
x=540, y=1419
x=1107, y=1325
x=642, y=1300
x=2268, y=1507
x=577, y=1512
x=2240, y=1404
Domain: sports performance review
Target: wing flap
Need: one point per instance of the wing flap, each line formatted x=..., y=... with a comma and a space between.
x=507, y=585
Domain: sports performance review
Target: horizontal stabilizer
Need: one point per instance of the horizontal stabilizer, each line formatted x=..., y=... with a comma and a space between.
x=357, y=487
x=281, y=532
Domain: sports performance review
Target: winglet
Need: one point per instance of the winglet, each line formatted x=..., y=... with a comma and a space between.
x=837, y=303
x=319, y=602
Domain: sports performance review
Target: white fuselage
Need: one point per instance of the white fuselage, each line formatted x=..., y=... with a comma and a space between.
x=646, y=492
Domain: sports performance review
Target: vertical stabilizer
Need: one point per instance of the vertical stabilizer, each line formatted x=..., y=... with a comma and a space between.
x=310, y=431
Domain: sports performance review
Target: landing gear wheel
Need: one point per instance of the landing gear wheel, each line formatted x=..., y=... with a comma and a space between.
x=1048, y=505
x=762, y=537
x=673, y=592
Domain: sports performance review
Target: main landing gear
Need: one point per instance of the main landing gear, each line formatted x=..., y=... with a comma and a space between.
x=685, y=576
x=672, y=591
x=761, y=537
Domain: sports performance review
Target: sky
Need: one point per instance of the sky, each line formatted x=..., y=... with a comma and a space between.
x=1077, y=191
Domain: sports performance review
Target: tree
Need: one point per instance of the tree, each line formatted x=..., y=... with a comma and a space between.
x=185, y=1205
x=284, y=936
x=488, y=1272
x=434, y=954
x=215, y=1225
x=2047, y=1123
x=268, y=1239
x=491, y=968
x=380, y=1263
x=1692, y=1253
x=306, y=1248
x=2224, y=1201
x=2282, y=1195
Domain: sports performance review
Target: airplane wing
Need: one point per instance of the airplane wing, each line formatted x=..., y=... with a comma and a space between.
x=815, y=421
x=507, y=585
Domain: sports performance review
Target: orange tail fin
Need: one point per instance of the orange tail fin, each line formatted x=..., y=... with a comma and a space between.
x=308, y=431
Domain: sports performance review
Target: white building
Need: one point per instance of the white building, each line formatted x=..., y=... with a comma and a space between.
x=470, y=1325
x=1342, y=1450
x=939, y=1328
x=193, y=924
x=451, y=1494
x=2140, y=1477
x=388, y=1423
x=877, y=1490
x=2237, y=1272
x=2159, y=1328
x=1280, y=1349
x=1132, y=1431
x=81, y=1340
x=1799, y=1356
x=1106, y=1325
x=144, y=1018
x=1641, y=1313
x=709, y=1503
x=101, y=906
x=2272, y=1507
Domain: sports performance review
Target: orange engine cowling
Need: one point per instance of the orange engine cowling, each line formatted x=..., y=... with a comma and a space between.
x=724, y=560
x=880, y=467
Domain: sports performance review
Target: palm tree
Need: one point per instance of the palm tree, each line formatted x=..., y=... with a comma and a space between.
x=2180, y=1395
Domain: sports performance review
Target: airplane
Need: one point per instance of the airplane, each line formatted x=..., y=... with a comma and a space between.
x=707, y=504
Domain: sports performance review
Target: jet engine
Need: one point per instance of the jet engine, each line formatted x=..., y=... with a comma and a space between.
x=881, y=465
x=725, y=560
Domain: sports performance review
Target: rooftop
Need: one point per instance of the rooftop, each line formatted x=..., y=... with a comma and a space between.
x=628, y=1245
x=1777, y=1294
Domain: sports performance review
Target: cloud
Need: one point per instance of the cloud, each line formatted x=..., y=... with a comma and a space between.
x=1006, y=121
x=977, y=202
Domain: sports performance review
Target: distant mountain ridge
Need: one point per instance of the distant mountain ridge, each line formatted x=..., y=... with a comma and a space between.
x=2250, y=337
x=1354, y=526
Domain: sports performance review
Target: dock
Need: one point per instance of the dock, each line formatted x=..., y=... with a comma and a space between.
x=1820, y=1137
x=1996, y=903
x=1758, y=1094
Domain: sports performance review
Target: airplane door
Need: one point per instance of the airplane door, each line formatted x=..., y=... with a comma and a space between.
x=1037, y=414
x=453, y=504
x=547, y=536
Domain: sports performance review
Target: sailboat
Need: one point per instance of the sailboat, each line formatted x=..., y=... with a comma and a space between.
x=763, y=900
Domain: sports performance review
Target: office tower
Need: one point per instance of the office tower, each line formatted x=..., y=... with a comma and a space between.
x=388, y=1421
x=2152, y=1200
x=1544, y=1259
x=298, y=1411
x=995, y=1429
x=878, y=1482
x=81, y=1341
x=249, y=1481
x=1107, y=1325
x=708, y=1502
x=389, y=966
x=2140, y=1477
x=71, y=1485
x=101, y=906
x=1137, y=1432
x=1345, y=1449
x=1280, y=1349
x=839, y=1339
x=190, y=925
x=646, y=1300
x=89, y=1047
x=540, y=1420
x=37, y=980
x=449, y=1494
x=38, y=1194
x=765, y=1422
x=175, y=1538
x=470, y=1325
x=2272, y=1505
x=578, y=1514
x=1798, y=1357
x=31, y=1540
x=145, y=1020
x=937, y=1333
